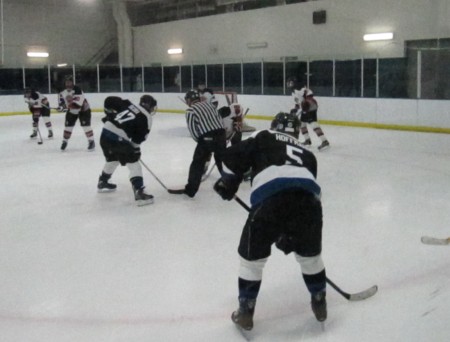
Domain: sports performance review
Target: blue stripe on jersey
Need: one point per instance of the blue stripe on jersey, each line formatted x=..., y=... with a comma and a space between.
x=280, y=184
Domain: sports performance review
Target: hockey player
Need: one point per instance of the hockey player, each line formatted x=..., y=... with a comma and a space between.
x=285, y=210
x=206, y=128
x=126, y=127
x=74, y=103
x=232, y=117
x=306, y=108
x=39, y=106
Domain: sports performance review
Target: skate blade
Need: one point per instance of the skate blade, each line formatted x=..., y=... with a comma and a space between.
x=105, y=190
x=246, y=334
x=141, y=203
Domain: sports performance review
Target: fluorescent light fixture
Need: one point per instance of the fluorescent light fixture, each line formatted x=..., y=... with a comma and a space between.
x=60, y=65
x=175, y=51
x=257, y=45
x=378, y=36
x=37, y=54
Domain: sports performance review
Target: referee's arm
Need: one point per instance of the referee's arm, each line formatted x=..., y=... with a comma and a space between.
x=191, y=120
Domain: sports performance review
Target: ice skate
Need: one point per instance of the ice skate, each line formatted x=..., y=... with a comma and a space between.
x=243, y=316
x=324, y=145
x=50, y=134
x=91, y=146
x=319, y=306
x=105, y=186
x=33, y=135
x=142, y=198
x=63, y=145
x=307, y=142
x=181, y=192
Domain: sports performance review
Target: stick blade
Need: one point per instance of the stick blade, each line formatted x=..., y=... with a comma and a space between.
x=355, y=297
x=429, y=240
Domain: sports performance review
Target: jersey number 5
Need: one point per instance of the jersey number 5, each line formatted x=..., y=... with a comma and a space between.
x=294, y=155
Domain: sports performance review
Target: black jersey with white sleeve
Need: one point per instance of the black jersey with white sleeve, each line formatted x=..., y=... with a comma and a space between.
x=132, y=123
x=278, y=163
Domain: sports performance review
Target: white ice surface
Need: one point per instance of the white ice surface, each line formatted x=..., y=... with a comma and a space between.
x=78, y=266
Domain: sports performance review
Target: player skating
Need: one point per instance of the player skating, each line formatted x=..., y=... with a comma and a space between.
x=39, y=107
x=126, y=127
x=286, y=210
x=306, y=107
x=73, y=101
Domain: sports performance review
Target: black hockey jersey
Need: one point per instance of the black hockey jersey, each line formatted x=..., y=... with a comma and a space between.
x=278, y=163
x=131, y=123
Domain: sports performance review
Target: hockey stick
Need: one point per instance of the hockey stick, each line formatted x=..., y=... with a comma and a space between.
x=148, y=169
x=206, y=175
x=40, y=141
x=353, y=297
x=54, y=108
x=429, y=240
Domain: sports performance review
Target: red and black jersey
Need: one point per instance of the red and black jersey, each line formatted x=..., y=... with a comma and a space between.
x=74, y=100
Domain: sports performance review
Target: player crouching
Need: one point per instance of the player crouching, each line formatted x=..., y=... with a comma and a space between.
x=126, y=127
x=285, y=210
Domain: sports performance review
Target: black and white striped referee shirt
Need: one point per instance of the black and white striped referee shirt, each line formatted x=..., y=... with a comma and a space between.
x=201, y=118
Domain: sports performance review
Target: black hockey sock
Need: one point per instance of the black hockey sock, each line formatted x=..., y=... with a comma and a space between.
x=315, y=282
x=249, y=289
x=104, y=177
x=137, y=182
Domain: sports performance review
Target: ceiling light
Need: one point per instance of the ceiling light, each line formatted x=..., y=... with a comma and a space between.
x=175, y=51
x=257, y=45
x=37, y=54
x=60, y=65
x=378, y=36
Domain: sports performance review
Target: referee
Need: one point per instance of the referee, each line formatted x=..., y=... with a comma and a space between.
x=206, y=128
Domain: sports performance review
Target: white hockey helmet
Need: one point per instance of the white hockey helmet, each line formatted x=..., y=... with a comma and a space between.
x=210, y=98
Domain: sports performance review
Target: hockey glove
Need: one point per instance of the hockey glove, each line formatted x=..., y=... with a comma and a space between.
x=227, y=187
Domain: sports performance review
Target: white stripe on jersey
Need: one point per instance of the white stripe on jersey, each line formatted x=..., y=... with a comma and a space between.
x=278, y=178
x=109, y=126
x=202, y=118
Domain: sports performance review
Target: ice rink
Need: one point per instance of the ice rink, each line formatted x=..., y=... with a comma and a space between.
x=79, y=266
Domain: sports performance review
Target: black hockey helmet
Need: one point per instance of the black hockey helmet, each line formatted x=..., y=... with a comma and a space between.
x=112, y=105
x=192, y=95
x=68, y=81
x=286, y=123
x=149, y=103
